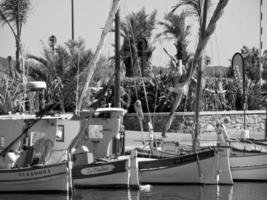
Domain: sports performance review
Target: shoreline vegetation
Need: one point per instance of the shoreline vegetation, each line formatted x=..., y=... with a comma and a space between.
x=63, y=67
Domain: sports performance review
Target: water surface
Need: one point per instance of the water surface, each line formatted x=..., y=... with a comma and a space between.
x=239, y=191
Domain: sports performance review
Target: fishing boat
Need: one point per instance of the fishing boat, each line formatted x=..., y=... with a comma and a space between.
x=98, y=151
x=101, y=162
x=248, y=158
x=197, y=165
x=202, y=167
x=26, y=161
x=248, y=162
x=171, y=163
x=46, y=178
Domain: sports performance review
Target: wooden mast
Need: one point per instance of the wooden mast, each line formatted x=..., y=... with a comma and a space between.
x=92, y=64
x=195, y=142
x=117, y=84
x=72, y=20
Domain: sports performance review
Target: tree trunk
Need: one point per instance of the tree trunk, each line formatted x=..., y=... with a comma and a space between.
x=202, y=42
x=171, y=115
x=18, y=56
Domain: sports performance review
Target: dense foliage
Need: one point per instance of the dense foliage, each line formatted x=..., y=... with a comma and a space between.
x=64, y=69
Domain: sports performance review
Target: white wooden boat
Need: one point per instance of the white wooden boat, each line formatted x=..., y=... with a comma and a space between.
x=102, y=139
x=29, y=164
x=248, y=158
x=209, y=166
x=107, y=174
x=248, y=162
x=103, y=165
x=45, y=178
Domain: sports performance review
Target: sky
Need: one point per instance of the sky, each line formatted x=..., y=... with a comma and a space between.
x=238, y=26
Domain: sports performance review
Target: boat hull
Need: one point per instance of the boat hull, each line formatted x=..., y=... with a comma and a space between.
x=205, y=167
x=248, y=166
x=48, y=178
x=111, y=174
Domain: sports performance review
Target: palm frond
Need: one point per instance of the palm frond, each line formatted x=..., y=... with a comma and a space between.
x=194, y=7
x=39, y=59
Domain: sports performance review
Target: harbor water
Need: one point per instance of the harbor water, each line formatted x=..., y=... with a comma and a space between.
x=239, y=191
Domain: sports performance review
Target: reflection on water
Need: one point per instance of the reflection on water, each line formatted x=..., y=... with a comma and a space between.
x=23, y=196
x=99, y=194
x=250, y=191
x=244, y=191
x=188, y=192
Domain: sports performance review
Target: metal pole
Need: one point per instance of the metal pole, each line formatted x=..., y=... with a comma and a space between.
x=244, y=94
x=117, y=94
x=260, y=60
x=72, y=20
x=77, y=83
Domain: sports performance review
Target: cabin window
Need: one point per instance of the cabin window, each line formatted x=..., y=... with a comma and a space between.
x=60, y=133
x=95, y=132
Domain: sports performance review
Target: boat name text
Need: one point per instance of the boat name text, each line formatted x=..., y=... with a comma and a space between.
x=97, y=170
x=35, y=173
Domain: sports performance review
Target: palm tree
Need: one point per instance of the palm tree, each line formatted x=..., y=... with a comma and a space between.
x=61, y=71
x=137, y=28
x=194, y=7
x=175, y=29
x=14, y=13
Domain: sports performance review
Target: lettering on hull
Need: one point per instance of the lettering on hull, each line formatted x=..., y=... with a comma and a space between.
x=35, y=173
x=97, y=170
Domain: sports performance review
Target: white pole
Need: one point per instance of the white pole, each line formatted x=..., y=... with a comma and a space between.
x=77, y=84
x=262, y=81
x=261, y=36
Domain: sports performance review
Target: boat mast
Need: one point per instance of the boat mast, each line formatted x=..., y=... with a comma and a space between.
x=260, y=60
x=261, y=36
x=203, y=19
x=117, y=61
x=92, y=64
x=72, y=20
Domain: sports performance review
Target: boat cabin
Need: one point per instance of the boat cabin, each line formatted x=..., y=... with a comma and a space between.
x=104, y=136
x=51, y=136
